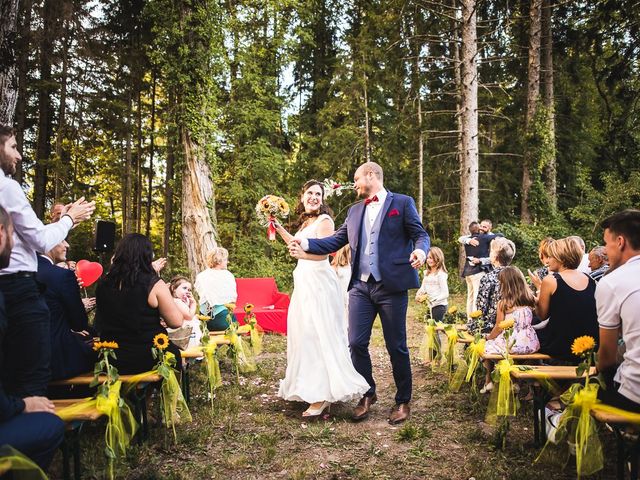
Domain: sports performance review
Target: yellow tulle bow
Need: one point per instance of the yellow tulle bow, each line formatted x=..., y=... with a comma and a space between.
x=174, y=407
x=454, y=364
x=430, y=347
x=242, y=357
x=214, y=378
x=503, y=402
x=121, y=424
x=21, y=468
x=474, y=353
x=255, y=334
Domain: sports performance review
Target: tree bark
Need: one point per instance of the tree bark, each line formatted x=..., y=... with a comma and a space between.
x=43, y=148
x=367, y=139
x=24, y=41
x=62, y=158
x=533, y=96
x=547, y=99
x=151, y=154
x=198, y=232
x=168, y=182
x=468, y=145
x=8, y=61
x=127, y=201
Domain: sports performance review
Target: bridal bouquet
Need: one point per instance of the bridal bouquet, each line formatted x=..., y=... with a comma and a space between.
x=331, y=187
x=268, y=209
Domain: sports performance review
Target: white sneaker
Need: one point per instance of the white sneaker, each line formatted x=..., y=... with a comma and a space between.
x=487, y=388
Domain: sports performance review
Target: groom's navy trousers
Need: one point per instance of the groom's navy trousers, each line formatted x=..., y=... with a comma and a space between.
x=366, y=300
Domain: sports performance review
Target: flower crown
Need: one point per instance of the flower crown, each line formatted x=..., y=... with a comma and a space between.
x=331, y=187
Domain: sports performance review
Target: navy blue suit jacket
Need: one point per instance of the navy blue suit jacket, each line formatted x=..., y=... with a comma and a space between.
x=70, y=355
x=401, y=232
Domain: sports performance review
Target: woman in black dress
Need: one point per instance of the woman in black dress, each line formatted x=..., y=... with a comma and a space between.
x=129, y=303
x=567, y=299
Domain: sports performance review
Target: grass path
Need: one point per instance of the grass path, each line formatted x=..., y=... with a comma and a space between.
x=252, y=434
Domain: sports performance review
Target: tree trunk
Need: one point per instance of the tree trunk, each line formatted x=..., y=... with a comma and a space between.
x=151, y=153
x=43, y=148
x=468, y=145
x=548, y=101
x=62, y=158
x=367, y=140
x=8, y=61
x=139, y=156
x=24, y=47
x=198, y=232
x=533, y=96
x=127, y=203
x=168, y=182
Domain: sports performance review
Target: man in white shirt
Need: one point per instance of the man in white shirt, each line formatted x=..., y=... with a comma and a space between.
x=618, y=302
x=27, y=348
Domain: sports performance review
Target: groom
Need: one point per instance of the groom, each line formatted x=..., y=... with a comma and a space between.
x=388, y=242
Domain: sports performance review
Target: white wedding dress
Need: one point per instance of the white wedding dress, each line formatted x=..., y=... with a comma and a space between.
x=319, y=366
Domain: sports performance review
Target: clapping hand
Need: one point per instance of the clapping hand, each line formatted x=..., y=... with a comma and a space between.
x=79, y=211
x=159, y=264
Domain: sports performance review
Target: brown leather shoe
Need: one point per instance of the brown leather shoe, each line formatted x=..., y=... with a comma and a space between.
x=362, y=410
x=399, y=413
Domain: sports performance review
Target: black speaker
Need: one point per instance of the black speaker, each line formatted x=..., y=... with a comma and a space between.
x=105, y=236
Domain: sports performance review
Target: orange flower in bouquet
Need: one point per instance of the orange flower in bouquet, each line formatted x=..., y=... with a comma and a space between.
x=268, y=209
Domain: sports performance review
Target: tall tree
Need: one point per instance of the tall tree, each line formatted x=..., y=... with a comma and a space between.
x=548, y=99
x=533, y=97
x=468, y=147
x=8, y=64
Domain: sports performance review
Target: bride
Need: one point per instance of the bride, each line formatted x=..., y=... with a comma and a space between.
x=319, y=368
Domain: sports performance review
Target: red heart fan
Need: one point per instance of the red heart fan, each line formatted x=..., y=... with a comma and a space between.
x=88, y=272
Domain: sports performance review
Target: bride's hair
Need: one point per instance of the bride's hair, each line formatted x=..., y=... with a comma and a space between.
x=304, y=216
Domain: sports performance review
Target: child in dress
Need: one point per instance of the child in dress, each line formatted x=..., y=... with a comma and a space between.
x=341, y=263
x=180, y=289
x=434, y=289
x=516, y=303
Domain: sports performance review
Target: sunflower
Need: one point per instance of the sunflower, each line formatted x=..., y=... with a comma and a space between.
x=507, y=323
x=452, y=310
x=476, y=314
x=231, y=306
x=161, y=341
x=582, y=345
x=112, y=345
x=204, y=318
x=248, y=308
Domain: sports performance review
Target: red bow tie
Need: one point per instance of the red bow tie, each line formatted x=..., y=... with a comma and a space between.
x=367, y=201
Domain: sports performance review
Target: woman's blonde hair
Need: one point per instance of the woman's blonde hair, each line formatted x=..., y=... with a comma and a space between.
x=514, y=291
x=543, y=247
x=566, y=251
x=216, y=256
x=342, y=258
x=438, y=258
x=503, y=250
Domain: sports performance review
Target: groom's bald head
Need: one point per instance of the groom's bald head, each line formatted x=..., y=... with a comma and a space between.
x=371, y=167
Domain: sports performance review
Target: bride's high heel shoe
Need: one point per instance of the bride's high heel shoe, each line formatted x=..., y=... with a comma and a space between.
x=316, y=412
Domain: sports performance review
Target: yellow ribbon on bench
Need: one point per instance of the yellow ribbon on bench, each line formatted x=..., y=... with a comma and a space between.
x=242, y=356
x=121, y=424
x=174, y=407
x=475, y=351
x=430, y=347
x=503, y=402
x=21, y=467
x=454, y=364
x=214, y=378
x=255, y=333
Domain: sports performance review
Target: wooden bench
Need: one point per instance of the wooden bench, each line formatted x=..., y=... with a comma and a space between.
x=72, y=437
x=517, y=358
x=534, y=374
x=628, y=450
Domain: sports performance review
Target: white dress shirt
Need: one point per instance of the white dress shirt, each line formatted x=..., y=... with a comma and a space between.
x=373, y=209
x=30, y=235
x=216, y=287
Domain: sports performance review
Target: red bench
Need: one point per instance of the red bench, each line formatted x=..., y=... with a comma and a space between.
x=270, y=305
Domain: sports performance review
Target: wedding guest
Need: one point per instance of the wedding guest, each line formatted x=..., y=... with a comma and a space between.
x=27, y=346
x=618, y=302
x=71, y=339
x=180, y=288
x=598, y=263
x=27, y=424
x=472, y=271
x=216, y=287
x=501, y=254
x=584, y=261
x=516, y=303
x=131, y=299
x=434, y=289
x=566, y=298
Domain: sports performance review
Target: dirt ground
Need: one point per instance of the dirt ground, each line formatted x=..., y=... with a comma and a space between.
x=249, y=433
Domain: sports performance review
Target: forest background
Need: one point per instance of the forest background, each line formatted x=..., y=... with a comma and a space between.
x=176, y=116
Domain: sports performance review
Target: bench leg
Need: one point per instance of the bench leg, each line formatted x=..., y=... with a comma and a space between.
x=66, y=471
x=186, y=383
x=539, y=420
x=634, y=457
x=621, y=458
x=77, y=467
